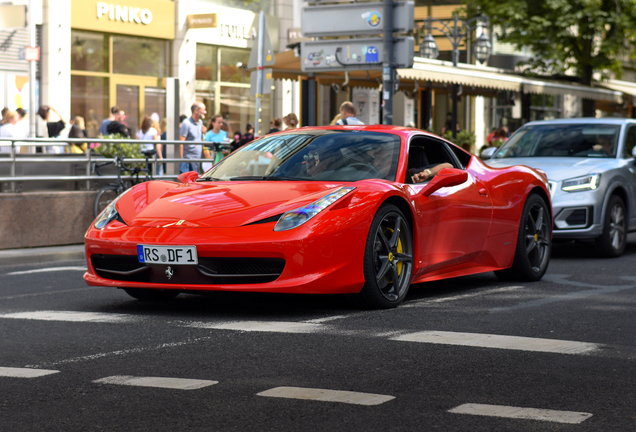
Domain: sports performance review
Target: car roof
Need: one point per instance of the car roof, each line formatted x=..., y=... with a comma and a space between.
x=584, y=120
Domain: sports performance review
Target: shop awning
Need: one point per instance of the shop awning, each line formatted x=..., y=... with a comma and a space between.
x=540, y=86
x=625, y=87
x=430, y=70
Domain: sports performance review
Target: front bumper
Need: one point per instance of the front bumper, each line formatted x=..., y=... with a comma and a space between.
x=318, y=259
x=577, y=215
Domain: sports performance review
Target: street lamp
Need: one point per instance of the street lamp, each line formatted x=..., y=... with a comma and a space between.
x=455, y=32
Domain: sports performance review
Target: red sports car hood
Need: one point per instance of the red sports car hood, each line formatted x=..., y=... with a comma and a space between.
x=220, y=205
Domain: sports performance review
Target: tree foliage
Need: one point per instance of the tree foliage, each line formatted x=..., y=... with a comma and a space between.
x=586, y=36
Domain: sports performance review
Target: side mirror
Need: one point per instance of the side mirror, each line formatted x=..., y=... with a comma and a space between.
x=634, y=152
x=445, y=178
x=488, y=153
x=188, y=177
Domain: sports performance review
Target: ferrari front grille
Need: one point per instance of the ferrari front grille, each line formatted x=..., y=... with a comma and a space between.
x=210, y=271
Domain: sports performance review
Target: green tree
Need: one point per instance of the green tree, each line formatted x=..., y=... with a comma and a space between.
x=585, y=36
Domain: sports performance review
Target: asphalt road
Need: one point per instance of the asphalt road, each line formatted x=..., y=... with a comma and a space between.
x=467, y=354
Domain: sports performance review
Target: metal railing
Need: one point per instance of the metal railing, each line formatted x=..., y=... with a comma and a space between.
x=15, y=157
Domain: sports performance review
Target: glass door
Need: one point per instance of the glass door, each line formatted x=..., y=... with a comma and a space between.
x=138, y=96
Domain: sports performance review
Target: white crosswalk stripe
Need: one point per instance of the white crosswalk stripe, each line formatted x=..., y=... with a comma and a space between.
x=47, y=270
x=71, y=316
x=501, y=342
x=522, y=413
x=261, y=326
x=324, y=395
x=159, y=382
x=24, y=372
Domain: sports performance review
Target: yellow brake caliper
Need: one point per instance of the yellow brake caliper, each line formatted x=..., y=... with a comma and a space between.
x=399, y=250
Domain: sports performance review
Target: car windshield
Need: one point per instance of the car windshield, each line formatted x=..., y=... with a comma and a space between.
x=321, y=155
x=562, y=140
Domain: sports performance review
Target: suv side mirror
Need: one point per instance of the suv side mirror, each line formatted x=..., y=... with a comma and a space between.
x=445, y=178
x=488, y=153
x=634, y=152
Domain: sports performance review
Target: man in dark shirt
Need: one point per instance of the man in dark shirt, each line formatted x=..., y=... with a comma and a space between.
x=117, y=127
x=113, y=112
x=53, y=128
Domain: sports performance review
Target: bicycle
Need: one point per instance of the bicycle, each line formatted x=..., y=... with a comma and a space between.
x=109, y=193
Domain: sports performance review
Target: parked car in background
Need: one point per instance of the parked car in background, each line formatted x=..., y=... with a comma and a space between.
x=590, y=164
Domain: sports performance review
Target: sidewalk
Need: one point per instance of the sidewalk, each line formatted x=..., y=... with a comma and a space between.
x=41, y=255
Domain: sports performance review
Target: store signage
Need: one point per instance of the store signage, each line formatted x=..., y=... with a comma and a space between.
x=124, y=13
x=148, y=18
x=202, y=21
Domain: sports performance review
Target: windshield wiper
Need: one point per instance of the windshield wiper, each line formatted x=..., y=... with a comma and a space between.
x=277, y=178
x=207, y=179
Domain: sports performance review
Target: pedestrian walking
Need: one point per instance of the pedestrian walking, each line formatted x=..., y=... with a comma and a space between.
x=77, y=132
x=54, y=128
x=291, y=121
x=9, y=128
x=348, y=115
x=248, y=136
x=117, y=126
x=23, y=123
x=215, y=134
x=147, y=132
x=113, y=113
x=190, y=130
x=275, y=125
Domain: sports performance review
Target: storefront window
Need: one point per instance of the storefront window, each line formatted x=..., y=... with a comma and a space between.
x=230, y=71
x=239, y=108
x=155, y=101
x=89, y=99
x=206, y=62
x=89, y=51
x=545, y=107
x=140, y=56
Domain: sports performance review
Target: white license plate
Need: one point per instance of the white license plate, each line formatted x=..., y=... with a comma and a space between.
x=174, y=255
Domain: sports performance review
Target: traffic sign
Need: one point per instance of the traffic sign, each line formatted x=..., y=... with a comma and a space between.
x=355, y=19
x=267, y=82
x=268, y=52
x=354, y=54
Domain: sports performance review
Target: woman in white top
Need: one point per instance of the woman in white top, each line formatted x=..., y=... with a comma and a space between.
x=9, y=130
x=149, y=133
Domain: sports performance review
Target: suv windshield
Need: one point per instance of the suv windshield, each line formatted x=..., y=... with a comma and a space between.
x=324, y=155
x=562, y=140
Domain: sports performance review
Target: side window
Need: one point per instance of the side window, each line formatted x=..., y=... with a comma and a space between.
x=427, y=153
x=630, y=141
x=461, y=155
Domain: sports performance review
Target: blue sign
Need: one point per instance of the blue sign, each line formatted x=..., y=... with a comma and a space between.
x=372, y=55
x=374, y=19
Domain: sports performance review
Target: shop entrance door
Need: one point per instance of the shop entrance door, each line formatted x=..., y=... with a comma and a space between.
x=138, y=96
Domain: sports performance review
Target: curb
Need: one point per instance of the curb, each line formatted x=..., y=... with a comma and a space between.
x=42, y=255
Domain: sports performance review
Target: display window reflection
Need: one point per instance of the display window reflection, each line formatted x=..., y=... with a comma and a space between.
x=206, y=62
x=233, y=64
x=89, y=51
x=89, y=99
x=140, y=56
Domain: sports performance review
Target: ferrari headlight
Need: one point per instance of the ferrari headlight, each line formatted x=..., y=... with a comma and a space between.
x=588, y=182
x=297, y=217
x=109, y=214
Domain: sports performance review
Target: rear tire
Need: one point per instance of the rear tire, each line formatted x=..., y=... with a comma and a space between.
x=612, y=242
x=534, y=243
x=388, y=261
x=151, y=294
x=104, y=197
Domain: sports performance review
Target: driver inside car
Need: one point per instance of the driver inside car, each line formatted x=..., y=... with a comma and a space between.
x=604, y=145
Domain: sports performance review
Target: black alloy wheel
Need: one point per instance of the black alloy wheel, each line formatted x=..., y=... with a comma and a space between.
x=388, y=260
x=534, y=243
x=614, y=238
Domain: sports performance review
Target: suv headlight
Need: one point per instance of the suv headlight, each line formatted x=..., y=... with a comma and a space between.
x=297, y=217
x=109, y=214
x=584, y=183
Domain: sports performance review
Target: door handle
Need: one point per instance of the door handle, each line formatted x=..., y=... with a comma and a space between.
x=483, y=192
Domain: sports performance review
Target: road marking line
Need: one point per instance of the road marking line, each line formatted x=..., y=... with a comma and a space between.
x=45, y=270
x=349, y=397
x=522, y=413
x=71, y=316
x=498, y=341
x=50, y=293
x=122, y=352
x=261, y=326
x=424, y=302
x=170, y=383
x=330, y=318
x=24, y=372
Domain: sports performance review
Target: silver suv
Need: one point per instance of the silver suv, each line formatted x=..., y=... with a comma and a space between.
x=590, y=164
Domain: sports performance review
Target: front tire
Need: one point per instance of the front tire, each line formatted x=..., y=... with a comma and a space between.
x=388, y=261
x=612, y=242
x=534, y=243
x=151, y=294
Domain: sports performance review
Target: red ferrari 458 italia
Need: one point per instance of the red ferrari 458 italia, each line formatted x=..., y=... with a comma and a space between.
x=358, y=210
